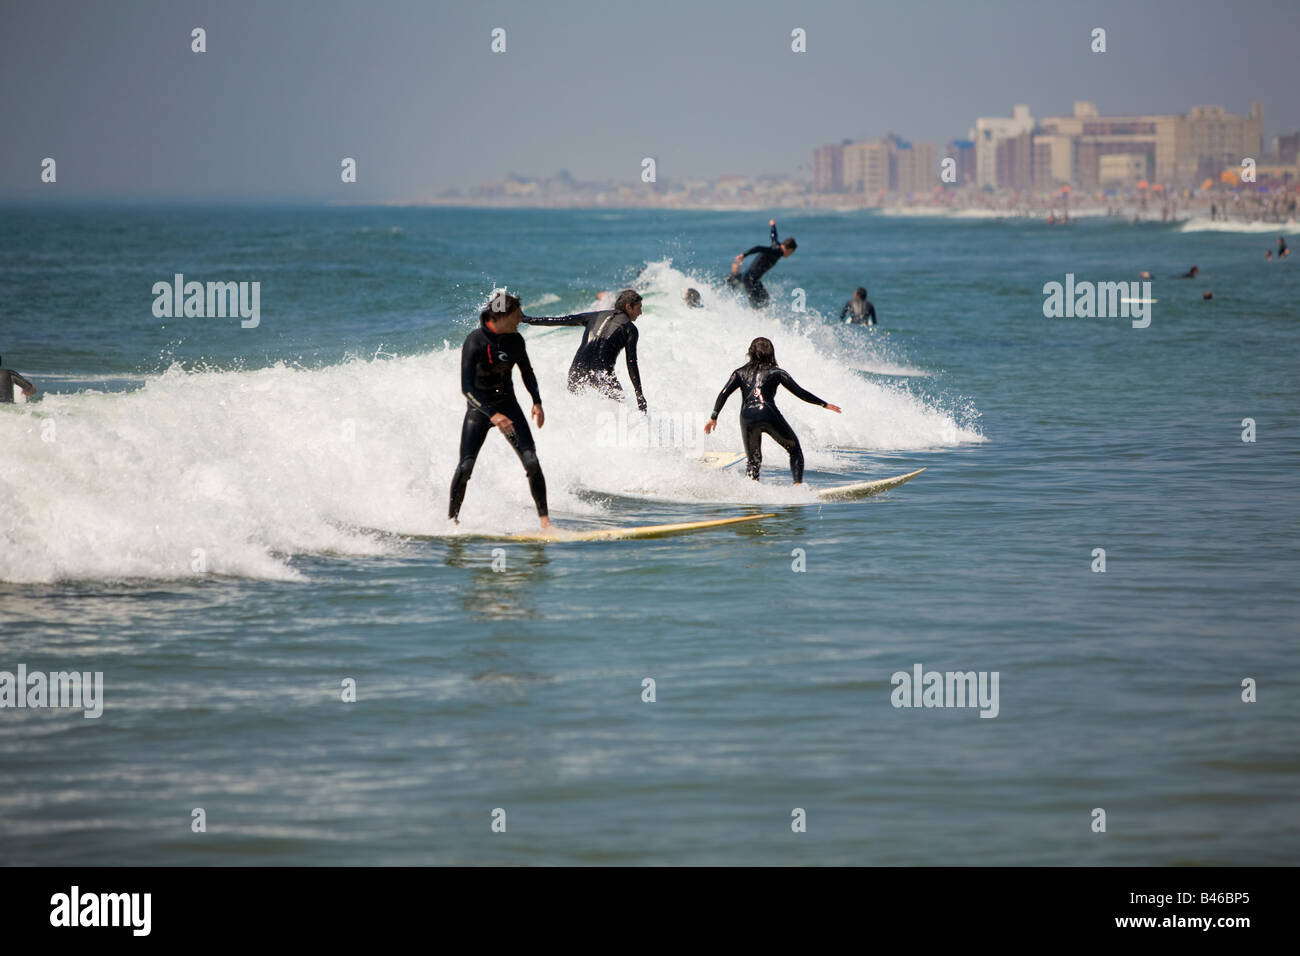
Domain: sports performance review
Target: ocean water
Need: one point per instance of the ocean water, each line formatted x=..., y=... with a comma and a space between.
x=217, y=518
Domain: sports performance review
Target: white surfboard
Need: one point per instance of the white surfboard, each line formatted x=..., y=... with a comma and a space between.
x=865, y=489
x=717, y=460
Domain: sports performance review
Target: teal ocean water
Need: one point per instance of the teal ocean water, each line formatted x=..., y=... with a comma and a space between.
x=183, y=509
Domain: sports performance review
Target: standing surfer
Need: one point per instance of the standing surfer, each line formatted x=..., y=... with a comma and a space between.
x=765, y=257
x=487, y=359
x=758, y=413
x=604, y=335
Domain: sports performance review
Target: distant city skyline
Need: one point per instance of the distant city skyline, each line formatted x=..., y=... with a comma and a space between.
x=415, y=95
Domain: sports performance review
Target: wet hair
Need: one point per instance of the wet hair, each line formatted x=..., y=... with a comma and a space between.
x=692, y=297
x=626, y=299
x=790, y=244
x=761, y=352
x=501, y=303
x=861, y=293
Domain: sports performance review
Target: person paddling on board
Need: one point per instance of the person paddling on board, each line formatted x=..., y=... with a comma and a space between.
x=489, y=355
x=8, y=379
x=765, y=257
x=1190, y=273
x=758, y=412
x=858, y=310
x=604, y=335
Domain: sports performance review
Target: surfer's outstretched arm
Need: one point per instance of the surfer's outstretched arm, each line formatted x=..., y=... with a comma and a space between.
x=580, y=318
x=733, y=383
x=633, y=370
x=772, y=223
x=27, y=387
x=798, y=390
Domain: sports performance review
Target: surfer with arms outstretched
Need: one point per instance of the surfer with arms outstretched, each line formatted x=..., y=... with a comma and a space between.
x=759, y=378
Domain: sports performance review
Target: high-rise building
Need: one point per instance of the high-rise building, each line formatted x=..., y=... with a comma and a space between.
x=869, y=167
x=1015, y=161
x=828, y=169
x=1211, y=140
x=962, y=152
x=989, y=132
x=915, y=169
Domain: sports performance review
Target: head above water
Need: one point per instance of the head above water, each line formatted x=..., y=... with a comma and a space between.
x=788, y=247
x=762, y=352
x=629, y=303
x=861, y=293
x=692, y=297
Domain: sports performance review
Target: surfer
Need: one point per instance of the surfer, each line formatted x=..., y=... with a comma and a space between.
x=759, y=415
x=605, y=334
x=1282, y=250
x=488, y=357
x=858, y=310
x=1190, y=273
x=765, y=257
x=692, y=299
x=8, y=379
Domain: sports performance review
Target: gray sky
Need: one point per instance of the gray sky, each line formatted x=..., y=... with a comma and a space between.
x=412, y=91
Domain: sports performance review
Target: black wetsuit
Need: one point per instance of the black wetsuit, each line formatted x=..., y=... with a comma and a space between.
x=855, y=314
x=1281, y=247
x=486, y=361
x=759, y=414
x=604, y=335
x=766, y=257
x=8, y=379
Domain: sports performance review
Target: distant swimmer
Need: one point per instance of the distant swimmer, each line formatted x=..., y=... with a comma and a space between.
x=766, y=257
x=858, y=310
x=1268, y=254
x=1282, y=250
x=758, y=412
x=1145, y=275
x=605, y=334
x=8, y=379
x=1190, y=273
x=692, y=299
x=489, y=355
x=1207, y=294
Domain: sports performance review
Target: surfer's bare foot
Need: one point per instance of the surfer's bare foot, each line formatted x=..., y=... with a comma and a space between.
x=546, y=523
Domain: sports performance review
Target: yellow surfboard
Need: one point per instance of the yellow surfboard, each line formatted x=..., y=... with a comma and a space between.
x=865, y=489
x=625, y=534
x=598, y=534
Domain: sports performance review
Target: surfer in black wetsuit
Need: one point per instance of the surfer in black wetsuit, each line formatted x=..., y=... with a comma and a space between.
x=765, y=257
x=8, y=379
x=758, y=412
x=858, y=310
x=1190, y=273
x=1282, y=250
x=488, y=357
x=604, y=335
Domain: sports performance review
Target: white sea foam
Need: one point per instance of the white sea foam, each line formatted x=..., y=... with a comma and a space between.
x=1205, y=224
x=240, y=471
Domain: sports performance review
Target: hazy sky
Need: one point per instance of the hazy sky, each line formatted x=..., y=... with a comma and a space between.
x=111, y=90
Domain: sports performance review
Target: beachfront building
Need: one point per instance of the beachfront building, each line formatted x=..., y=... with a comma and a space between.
x=869, y=167
x=828, y=169
x=990, y=131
